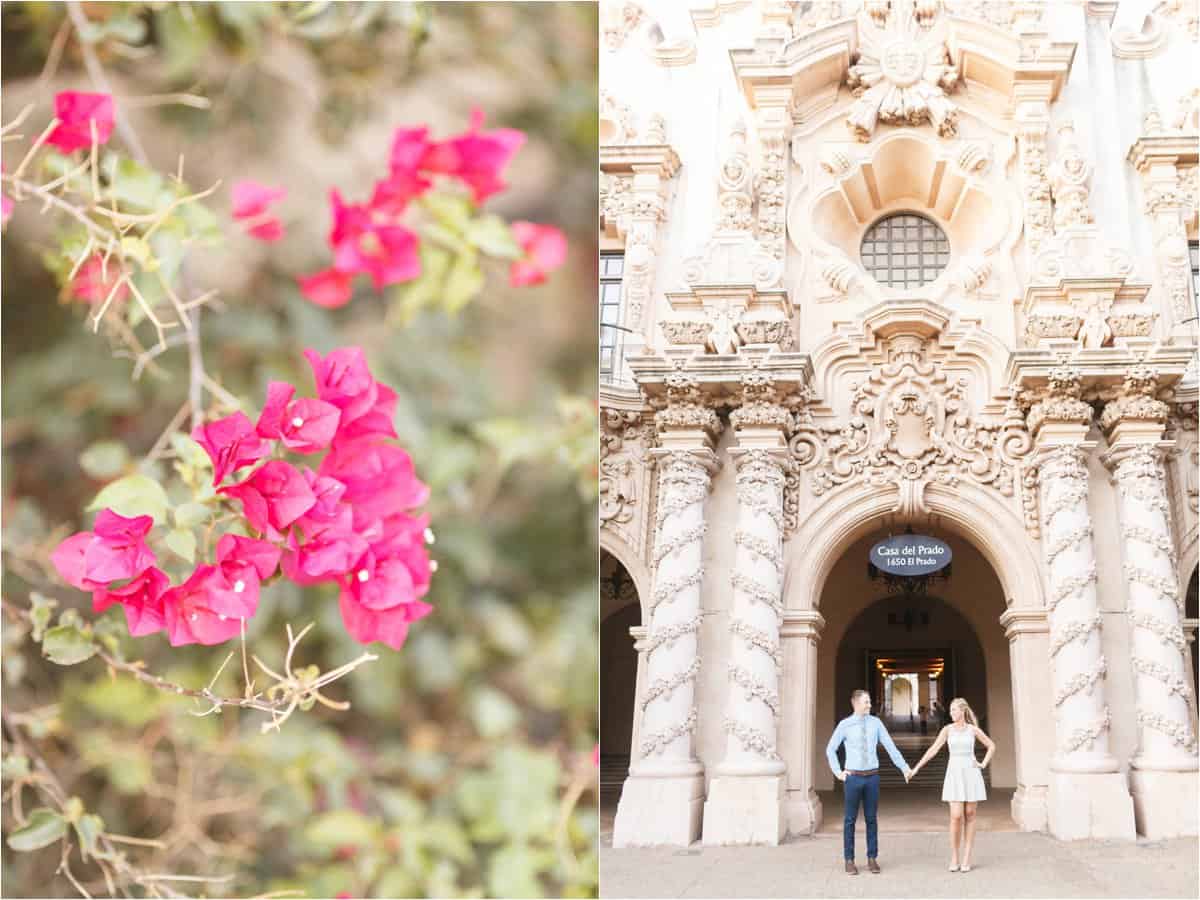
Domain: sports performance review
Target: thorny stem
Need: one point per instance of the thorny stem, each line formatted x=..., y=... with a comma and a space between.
x=289, y=691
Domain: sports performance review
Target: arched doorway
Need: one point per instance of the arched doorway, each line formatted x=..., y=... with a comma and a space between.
x=908, y=649
x=620, y=622
x=997, y=587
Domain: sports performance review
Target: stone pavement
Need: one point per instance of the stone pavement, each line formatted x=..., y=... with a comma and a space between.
x=1006, y=864
x=914, y=851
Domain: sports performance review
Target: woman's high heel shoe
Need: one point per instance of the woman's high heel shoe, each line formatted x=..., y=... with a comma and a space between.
x=953, y=867
x=964, y=868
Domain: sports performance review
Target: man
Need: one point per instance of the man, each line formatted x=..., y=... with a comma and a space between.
x=862, y=733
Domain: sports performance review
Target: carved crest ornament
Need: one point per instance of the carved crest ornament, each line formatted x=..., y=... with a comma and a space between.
x=911, y=424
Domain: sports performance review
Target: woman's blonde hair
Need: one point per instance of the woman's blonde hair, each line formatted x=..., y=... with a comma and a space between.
x=968, y=713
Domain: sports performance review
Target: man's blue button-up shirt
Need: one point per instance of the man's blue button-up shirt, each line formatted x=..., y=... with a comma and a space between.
x=862, y=734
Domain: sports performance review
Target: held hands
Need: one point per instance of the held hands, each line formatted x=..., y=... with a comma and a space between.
x=910, y=774
x=841, y=776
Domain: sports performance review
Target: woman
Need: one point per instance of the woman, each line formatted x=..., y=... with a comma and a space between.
x=963, y=787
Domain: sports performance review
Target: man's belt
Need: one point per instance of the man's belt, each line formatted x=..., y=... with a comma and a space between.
x=860, y=772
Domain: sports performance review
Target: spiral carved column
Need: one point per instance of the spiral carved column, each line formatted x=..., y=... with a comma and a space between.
x=1164, y=776
x=1076, y=650
x=662, y=799
x=1087, y=795
x=752, y=709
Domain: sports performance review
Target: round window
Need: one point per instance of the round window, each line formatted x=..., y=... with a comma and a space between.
x=905, y=250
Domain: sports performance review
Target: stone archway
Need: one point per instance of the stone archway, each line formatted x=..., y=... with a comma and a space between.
x=620, y=664
x=1008, y=616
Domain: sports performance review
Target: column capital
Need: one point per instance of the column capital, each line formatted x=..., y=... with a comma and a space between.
x=805, y=623
x=1133, y=412
x=701, y=456
x=1024, y=621
x=1146, y=456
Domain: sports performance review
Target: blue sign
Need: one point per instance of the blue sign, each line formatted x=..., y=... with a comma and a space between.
x=911, y=554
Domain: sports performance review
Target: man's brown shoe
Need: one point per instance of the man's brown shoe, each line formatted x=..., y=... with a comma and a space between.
x=872, y=865
x=851, y=869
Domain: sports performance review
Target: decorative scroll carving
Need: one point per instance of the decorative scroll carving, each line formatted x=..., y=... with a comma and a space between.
x=735, y=184
x=1069, y=181
x=770, y=185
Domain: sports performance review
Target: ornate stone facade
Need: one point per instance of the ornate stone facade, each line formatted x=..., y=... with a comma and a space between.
x=1030, y=399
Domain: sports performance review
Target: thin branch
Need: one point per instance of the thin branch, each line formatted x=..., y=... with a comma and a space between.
x=96, y=73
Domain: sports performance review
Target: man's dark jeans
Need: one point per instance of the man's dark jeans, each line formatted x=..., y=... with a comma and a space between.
x=861, y=789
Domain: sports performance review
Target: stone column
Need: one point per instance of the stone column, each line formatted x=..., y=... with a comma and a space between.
x=797, y=739
x=1087, y=795
x=1029, y=662
x=1163, y=774
x=638, y=633
x=746, y=794
x=662, y=799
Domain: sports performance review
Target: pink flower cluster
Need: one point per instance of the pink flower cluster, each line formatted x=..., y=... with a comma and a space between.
x=75, y=112
x=350, y=521
x=370, y=238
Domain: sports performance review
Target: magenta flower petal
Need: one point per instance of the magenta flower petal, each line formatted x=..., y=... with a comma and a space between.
x=545, y=250
x=231, y=443
x=189, y=616
x=75, y=111
x=343, y=379
x=262, y=556
x=141, y=600
x=276, y=494
x=250, y=198
x=389, y=626
x=95, y=281
x=68, y=560
x=329, y=288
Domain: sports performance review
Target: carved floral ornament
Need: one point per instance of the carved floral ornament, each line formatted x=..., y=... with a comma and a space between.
x=911, y=424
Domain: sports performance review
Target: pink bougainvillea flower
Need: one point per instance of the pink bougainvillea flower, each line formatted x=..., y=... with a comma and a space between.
x=329, y=288
x=231, y=443
x=328, y=508
x=304, y=426
x=409, y=148
x=274, y=496
x=189, y=613
x=378, y=421
x=475, y=157
x=393, y=194
x=75, y=111
x=95, y=281
x=379, y=478
x=329, y=554
x=343, y=379
x=235, y=551
x=387, y=625
x=545, y=250
x=141, y=599
x=250, y=202
x=115, y=550
x=362, y=243
x=383, y=583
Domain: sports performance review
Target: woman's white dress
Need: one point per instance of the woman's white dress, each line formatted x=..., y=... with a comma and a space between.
x=964, y=782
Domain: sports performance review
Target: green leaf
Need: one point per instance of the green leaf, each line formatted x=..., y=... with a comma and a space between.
x=138, y=250
x=182, y=542
x=341, y=826
x=104, y=460
x=451, y=210
x=136, y=188
x=426, y=288
x=513, y=872
x=493, y=236
x=133, y=495
x=492, y=712
x=89, y=828
x=14, y=766
x=189, y=515
x=43, y=828
x=40, y=611
x=463, y=283
x=67, y=645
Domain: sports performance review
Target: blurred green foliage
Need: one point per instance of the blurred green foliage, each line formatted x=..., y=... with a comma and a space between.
x=463, y=766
